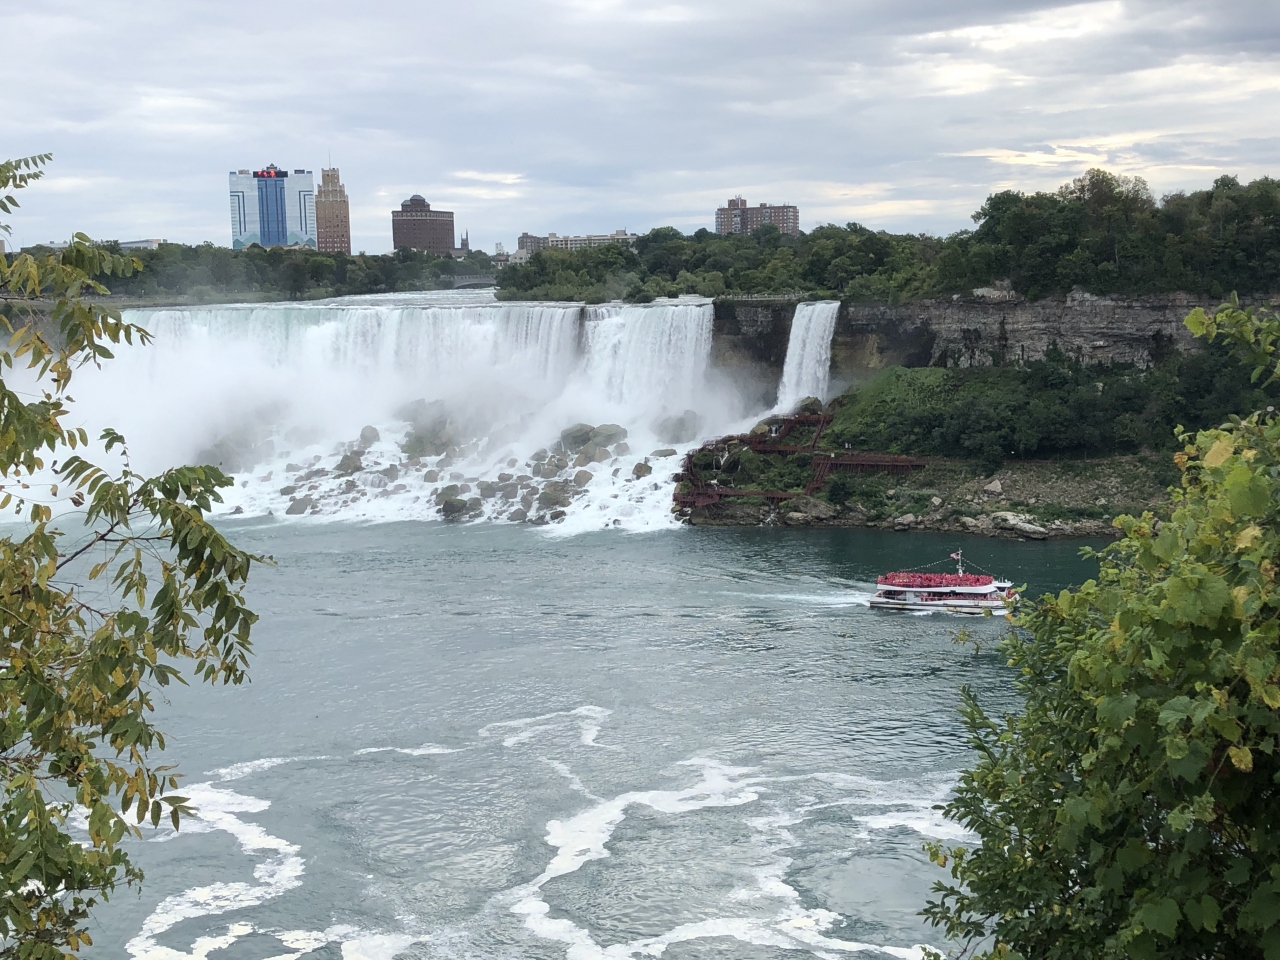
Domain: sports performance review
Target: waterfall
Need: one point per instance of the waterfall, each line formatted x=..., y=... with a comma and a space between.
x=807, y=370
x=283, y=391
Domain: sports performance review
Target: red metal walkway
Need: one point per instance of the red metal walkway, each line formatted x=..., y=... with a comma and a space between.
x=702, y=493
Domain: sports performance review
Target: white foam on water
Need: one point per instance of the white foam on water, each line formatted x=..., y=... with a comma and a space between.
x=927, y=823
x=376, y=946
x=426, y=750
x=583, y=838
x=845, y=598
x=238, y=771
x=587, y=718
x=575, y=782
x=807, y=369
x=279, y=869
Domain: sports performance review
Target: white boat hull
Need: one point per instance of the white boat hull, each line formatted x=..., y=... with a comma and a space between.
x=970, y=607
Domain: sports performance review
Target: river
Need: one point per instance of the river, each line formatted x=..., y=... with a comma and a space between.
x=486, y=741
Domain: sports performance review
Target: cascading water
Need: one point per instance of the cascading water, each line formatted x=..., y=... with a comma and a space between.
x=467, y=397
x=807, y=371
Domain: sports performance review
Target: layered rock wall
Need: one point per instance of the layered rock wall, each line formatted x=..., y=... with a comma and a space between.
x=751, y=334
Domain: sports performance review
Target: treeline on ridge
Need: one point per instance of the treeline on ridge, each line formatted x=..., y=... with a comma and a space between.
x=208, y=273
x=1104, y=233
x=1101, y=232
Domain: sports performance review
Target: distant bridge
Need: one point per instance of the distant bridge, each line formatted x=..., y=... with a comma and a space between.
x=474, y=280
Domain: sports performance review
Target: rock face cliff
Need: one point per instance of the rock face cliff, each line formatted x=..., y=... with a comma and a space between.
x=751, y=334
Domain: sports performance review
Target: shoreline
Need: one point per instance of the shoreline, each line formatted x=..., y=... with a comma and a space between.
x=1023, y=500
x=813, y=513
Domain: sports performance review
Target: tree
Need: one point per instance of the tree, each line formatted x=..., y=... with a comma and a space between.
x=1132, y=807
x=80, y=669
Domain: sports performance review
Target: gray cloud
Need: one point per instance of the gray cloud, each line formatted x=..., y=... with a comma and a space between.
x=588, y=115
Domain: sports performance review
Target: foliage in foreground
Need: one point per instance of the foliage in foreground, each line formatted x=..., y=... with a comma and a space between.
x=1133, y=807
x=90, y=630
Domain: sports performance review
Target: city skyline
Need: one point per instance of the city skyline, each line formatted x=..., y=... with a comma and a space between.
x=576, y=116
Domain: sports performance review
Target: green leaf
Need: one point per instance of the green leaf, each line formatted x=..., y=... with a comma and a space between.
x=1162, y=916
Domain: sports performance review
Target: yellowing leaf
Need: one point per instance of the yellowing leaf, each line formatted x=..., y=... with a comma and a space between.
x=1271, y=696
x=1241, y=758
x=1247, y=537
x=1239, y=595
x=1218, y=453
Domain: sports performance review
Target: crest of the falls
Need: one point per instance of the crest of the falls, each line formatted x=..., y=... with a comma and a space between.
x=280, y=394
x=807, y=369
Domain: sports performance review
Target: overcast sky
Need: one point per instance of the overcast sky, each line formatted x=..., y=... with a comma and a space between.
x=583, y=116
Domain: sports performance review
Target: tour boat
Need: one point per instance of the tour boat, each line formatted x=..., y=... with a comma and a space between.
x=957, y=592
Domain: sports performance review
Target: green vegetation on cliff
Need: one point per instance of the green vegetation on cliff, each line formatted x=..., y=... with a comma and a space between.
x=1104, y=233
x=1044, y=409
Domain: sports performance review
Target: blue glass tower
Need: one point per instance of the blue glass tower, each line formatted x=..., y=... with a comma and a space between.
x=273, y=223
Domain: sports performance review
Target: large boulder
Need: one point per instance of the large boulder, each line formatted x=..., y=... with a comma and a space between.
x=583, y=477
x=369, y=436
x=641, y=470
x=812, y=508
x=663, y=452
x=446, y=493
x=299, y=506
x=607, y=434
x=1023, y=526
x=554, y=494
x=453, y=508
x=576, y=437
x=808, y=406
x=681, y=429
x=349, y=464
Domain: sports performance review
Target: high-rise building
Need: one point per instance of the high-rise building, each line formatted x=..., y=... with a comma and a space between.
x=416, y=226
x=737, y=217
x=333, y=215
x=273, y=208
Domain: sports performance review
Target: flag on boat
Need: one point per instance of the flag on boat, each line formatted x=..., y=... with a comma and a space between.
x=955, y=556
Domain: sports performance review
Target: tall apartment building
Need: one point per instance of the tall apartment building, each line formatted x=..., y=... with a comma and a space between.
x=333, y=215
x=416, y=226
x=532, y=244
x=273, y=208
x=737, y=217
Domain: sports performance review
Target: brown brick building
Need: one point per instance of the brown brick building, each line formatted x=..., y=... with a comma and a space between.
x=737, y=217
x=333, y=215
x=416, y=226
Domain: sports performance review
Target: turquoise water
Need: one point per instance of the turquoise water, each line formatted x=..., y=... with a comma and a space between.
x=478, y=741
